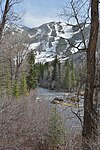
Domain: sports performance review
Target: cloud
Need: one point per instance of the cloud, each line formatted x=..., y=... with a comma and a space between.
x=35, y=21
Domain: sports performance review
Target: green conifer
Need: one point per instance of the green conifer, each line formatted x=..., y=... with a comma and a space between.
x=67, y=75
x=23, y=86
x=32, y=75
x=73, y=77
x=16, y=89
x=55, y=129
x=8, y=82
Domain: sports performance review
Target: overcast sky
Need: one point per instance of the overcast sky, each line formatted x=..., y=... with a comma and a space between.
x=37, y=12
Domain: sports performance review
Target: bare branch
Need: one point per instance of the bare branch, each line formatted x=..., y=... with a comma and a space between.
x=78, y=116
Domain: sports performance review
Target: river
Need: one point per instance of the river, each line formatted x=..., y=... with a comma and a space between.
x=70, y=119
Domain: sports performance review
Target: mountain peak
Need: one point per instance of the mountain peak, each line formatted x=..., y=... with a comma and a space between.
x=52, y=39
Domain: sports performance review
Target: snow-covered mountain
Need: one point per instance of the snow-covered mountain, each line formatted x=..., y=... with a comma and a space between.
x=53, y=38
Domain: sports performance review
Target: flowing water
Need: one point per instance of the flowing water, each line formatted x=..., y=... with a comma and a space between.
x=71, y=121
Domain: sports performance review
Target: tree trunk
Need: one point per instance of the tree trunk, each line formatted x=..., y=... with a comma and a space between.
x=90, y=115
x=4, y=17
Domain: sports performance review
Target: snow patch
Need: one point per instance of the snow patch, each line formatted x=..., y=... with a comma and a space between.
x=34, y=46
x=49, y=34
x=39, y=31
x=66, y=29
x=31, y=36
x=74, y=50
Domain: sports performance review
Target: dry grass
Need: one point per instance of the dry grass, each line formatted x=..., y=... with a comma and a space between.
x=23, y=123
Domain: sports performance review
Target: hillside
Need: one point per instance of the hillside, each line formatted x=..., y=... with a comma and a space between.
x=51, y=39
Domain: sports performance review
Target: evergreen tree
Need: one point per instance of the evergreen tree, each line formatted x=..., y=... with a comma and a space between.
x=32, y=75
x=32, y=78
x=54, y=73
x=72, y=76
x=23, y=84
x=58, y=75
x=40, y=70
x=16, y=91
x=67, y=75
x=8, y=82
x=55, y=129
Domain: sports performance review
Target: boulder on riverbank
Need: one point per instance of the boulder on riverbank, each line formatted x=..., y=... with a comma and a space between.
x=60, y=101
x=57, y=100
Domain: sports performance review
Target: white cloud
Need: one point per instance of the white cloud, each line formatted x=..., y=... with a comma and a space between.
x=35, y=21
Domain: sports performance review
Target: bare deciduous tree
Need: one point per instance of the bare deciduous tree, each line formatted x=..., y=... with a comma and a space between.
x=90, y=122
x=6, y=12
x=90, y=112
